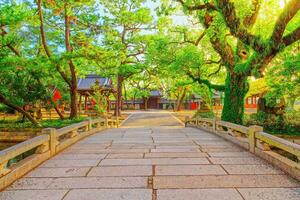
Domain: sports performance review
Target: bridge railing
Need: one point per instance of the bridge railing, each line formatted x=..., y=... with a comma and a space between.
x=280, y=152
x=42, y=147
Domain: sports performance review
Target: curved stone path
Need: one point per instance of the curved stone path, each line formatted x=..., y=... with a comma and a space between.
x=153, y=157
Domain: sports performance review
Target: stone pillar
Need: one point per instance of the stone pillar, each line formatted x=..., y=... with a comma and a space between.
x=251, y=136
x=53, y=139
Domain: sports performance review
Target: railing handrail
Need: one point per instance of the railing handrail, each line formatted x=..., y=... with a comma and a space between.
x=257, y=142
x=243, y=129
x=67, y=129
x=22, y=147
x=278, y=142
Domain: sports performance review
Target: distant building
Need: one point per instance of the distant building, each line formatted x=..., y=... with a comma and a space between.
x=85, y=88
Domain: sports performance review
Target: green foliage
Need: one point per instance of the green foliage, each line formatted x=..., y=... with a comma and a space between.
x=200, y=114
x=19, y=125
x=283, y=81
x=101, y=101
x=285, y=125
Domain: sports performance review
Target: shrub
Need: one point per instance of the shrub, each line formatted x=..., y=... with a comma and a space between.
x=288, y=124
x=202, y=114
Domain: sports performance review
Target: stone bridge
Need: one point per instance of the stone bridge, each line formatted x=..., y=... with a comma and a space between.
x=152, y=156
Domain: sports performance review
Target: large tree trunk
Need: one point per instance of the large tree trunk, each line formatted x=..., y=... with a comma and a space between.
x=180, y=100
x=19, y=109
x=236, y=87
x=146, y=103
x=119, y=96
x=73, y=106
x=73, y=82
x=61, y=116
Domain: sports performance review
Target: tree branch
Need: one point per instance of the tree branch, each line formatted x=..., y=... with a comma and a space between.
x=289, y=11
x=250, y=20
x=206, y=82
x=292, y=37
x=44, y=42
x=13, y=49
x=226, y=7
x=196, y=7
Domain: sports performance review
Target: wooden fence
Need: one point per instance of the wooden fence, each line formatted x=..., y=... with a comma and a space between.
x=279, y=152
x=44, y=146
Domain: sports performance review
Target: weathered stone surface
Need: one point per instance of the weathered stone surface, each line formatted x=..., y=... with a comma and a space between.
x=33, y=195
x=175, y=155
x=270, y=193
x=59, y=172
x=189, y=170
x=121, y=171
x=109, y=194
x=31, y=183
x=79, y=156
x=80, y=182
x=154, y=161
x=198, y=194
x=125, y=155
x=251, y=169
x=247, y=160
x=224, y=181
x=231, y=154
x=179, y=150
x=70, y=163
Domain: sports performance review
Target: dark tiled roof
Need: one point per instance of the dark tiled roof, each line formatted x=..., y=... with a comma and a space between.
x=90, y=80
x=155, y=93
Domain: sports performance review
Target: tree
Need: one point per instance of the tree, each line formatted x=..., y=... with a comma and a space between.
x=283, y=81
x=24, y=76
x=243, y=50
x=76, y=19
x=125, y=25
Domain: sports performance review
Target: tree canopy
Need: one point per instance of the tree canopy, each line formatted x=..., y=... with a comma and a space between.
x=214, y=45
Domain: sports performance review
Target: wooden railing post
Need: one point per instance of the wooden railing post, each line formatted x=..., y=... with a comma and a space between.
x=53, y=139
x=251, y=136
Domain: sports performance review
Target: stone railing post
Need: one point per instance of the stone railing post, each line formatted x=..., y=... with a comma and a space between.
x=106, y=122
x=214, y=125
x=251, y=136
x=117, y=122
x=53, y=139
x=187, y=118
x=90, y=125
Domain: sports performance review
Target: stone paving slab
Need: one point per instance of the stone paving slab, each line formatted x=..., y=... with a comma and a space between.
x=112, y=194
x=33, y=195
x=223, y=181
x=228, y=160
x=121, y=171
x=175, y=150
x=59, y=172
x=63, y=156
x=242, y=154
x=70, y=163
x=154, y=161
x=231, y=149
x=80, y=183
x=251, y=169
x=198, y=194
x=125, y=155
x=270, y=193
x=175, y=155
x=188, y=170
